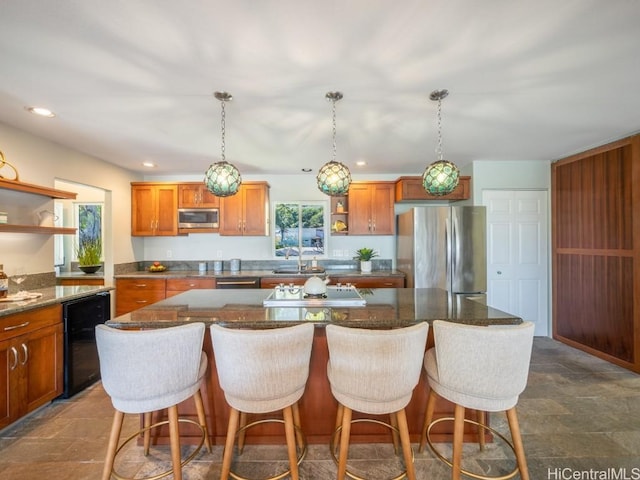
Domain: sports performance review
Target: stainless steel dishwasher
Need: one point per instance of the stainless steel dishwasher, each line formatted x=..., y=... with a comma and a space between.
x=238, y=282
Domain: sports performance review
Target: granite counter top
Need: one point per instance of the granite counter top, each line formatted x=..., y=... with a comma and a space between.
x=50, y=296
x=255, y=273
x=385, y=308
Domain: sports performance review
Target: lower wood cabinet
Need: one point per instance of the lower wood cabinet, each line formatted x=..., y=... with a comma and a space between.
x=70, y=282
x=369, y=282
x=179, y=285
x=31, y=359
x=134, y=293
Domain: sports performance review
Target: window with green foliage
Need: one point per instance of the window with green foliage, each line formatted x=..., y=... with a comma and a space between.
x=300, y=229
x=89, y=223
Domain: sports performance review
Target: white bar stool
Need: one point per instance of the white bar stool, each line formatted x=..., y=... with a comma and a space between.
x=374, y=372
x=144, y=371
x=263, y=371
x=482, y=368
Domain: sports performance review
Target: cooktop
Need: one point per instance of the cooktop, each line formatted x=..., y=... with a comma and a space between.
x=294, y=296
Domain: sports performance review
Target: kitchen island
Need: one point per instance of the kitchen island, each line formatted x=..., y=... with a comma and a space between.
x=384, y=308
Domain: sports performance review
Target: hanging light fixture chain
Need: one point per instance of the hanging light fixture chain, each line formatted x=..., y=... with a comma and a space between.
x=223, y=130
x=333, y=102
x=439, y=147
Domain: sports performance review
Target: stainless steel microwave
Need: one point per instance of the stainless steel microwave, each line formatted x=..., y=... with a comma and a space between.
x=198, y=218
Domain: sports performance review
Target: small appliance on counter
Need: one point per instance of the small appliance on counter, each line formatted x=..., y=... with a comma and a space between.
x=234, y=264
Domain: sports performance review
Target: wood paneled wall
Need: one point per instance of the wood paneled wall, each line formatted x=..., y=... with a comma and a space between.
x=596, y=250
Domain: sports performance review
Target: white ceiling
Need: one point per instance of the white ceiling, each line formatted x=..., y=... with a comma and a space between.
x=133, y=80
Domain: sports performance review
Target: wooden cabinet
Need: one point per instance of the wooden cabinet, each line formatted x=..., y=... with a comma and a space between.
x=154, y=209
x=70, y=282
x=178, y=285
x=134, y=293
x=247, y=212
x=371, y=208
x=31, y=358
x=367, y=281
x=410, y=189
x=273, y=282
x=196, y=195
x=18, y=197
x=360, y=281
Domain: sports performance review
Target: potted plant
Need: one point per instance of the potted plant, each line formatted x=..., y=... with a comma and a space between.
x=365, y=255
x=89, y=255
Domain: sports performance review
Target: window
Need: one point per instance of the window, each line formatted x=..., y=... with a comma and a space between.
x=300, y=229
x=89, y=223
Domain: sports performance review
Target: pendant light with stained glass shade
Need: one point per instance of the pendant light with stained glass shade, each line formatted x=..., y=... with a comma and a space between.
x=222, y=178
x=442, y=176
x=334, y=177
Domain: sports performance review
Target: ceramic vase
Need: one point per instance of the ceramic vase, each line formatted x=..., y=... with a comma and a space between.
x=365, y=266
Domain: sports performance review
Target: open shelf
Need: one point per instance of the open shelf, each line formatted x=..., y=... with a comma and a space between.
x=36, y=189
x=7, y=227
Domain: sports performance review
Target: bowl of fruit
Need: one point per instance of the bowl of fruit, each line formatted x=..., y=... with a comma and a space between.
x=157, y=267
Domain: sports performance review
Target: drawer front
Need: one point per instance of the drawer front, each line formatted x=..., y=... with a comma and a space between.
x=370, y=282
x=25, y=322
x=140, y=284
x=183, y=284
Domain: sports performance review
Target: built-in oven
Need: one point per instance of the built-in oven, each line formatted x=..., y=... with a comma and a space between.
x=238, y=282
x=81, y=363
x=198, y=218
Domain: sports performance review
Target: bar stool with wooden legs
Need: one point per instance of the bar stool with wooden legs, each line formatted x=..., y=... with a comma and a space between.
x=481, y=368
x=144, y=371
x=263, y=371
x=374, y=372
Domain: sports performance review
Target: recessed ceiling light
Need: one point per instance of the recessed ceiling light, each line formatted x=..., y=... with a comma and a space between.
x=43, y=112
x=307, y=170
x=148, y=164
x=361, y=163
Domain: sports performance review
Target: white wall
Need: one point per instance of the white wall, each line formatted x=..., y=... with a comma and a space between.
x=41, y=162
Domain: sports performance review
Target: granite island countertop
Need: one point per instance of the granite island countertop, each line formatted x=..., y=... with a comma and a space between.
x=170, y=273
x=385, y=308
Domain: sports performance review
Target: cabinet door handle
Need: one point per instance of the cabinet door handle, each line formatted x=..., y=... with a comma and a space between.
x=141, y=285
x=13, y=327
x=26, y=354
x=15, y=359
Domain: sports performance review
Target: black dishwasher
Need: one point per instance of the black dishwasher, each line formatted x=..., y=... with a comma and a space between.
x=80, y=317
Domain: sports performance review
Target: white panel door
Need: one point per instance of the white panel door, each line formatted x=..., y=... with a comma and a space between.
x=517, y=254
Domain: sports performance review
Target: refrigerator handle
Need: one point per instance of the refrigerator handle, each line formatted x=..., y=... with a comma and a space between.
x=453, y=245
x=448, y=238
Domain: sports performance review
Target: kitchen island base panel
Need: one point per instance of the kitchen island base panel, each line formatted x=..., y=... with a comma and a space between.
x=318, y=410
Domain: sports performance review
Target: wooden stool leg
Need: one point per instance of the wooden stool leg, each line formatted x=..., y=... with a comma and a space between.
x=393, y=420
x=406, y=443
x=116, y=427
x=339, y=415
x=514, y=426
x=227, y=456
x=458, y=433
x=241, y=435
x=428, y=417
x=174, y=434
x=202, y=419
x=146, y=423
x=482, y=420
x=290, y=434
x=344, y=442
x=297, y=423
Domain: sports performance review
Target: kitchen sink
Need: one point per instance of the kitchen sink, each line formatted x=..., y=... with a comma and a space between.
x=299, y=271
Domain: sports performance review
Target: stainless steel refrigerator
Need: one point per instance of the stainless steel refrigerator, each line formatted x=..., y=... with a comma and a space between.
x=444, y=247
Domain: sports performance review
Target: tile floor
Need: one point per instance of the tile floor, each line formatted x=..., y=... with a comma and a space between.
x=579, y=416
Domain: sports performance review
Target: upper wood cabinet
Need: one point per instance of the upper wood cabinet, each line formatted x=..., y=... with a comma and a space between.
x=154, y=209
x=410, y=189
x=247, y=212
x=196, y=195
x=371, y=210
